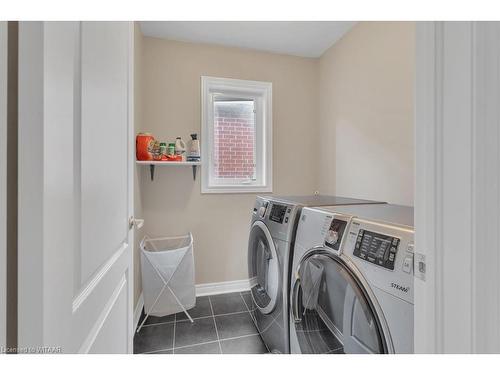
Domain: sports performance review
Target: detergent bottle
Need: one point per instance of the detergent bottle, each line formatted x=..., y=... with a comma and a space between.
x=180, y=146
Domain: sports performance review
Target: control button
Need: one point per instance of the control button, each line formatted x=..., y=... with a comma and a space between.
x=289, y=210
x=408, y=263
x=410, y=248
x=395, y=241
x=286, y=220
x=391, y=257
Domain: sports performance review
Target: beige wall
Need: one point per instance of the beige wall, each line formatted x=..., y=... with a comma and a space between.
x=172, y=204
x=138, y=97
x=342, y=124
x=366, y=113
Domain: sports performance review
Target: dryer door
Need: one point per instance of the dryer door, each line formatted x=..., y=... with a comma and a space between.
x=331, y=309
x=263, y=268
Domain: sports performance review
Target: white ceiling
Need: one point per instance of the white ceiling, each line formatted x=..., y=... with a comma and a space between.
x=298, y=38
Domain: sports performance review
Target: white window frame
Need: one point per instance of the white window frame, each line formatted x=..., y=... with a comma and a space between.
x=261, y=93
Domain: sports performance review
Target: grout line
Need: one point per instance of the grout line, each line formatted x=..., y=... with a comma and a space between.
x=198, y=344
x=209, y=316
x=202, y=343
x=215, y=323
x=248, y=310
x=157, y=324
x=240, y=337
x=201, y=317
x=255, y=322
x=181, y=347
x=173, y=341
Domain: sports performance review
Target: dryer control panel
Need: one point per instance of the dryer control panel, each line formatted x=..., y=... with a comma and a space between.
x=376, y=248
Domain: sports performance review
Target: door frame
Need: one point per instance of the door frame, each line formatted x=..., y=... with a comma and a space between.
x=3, y=184
x=457, y=191
x=131, y=183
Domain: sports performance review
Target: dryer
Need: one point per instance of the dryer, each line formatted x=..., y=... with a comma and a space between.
x=352, y=280
x=272, y=234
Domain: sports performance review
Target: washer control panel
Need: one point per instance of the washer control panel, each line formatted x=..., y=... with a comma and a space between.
x=383, y=254
x=376, y=248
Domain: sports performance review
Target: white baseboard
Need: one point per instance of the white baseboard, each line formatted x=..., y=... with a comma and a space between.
x=138, y=311
x=222, y=287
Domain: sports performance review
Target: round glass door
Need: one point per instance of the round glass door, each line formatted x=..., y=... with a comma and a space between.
x=263, y=268
x=331, y=310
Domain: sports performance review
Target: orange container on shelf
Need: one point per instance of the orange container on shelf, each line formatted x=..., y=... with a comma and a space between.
x=144, y=144
x=168, y=158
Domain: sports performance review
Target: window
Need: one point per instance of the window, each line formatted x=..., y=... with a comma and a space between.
x=236, y=136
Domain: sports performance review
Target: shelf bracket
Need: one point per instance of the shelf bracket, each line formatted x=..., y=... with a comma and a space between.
x=152, y=171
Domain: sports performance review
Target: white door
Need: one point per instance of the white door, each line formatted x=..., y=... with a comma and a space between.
x=3, y=182
x=457, y=200
x=75, y=186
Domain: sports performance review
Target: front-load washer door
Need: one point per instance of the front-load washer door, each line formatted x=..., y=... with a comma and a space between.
x=263, y=268
x=331, y=309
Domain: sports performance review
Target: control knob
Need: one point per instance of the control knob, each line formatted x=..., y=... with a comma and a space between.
x=332, y=237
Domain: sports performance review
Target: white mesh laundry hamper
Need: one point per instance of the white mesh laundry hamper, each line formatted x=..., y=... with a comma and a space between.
x=167, y=266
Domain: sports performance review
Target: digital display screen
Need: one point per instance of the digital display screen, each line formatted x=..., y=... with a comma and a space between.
x=277, y=214
x=376, y=248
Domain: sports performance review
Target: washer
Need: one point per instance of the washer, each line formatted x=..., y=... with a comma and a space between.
x=272, y=234
x=352, y=280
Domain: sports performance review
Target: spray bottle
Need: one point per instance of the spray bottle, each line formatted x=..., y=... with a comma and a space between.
x=193, y=153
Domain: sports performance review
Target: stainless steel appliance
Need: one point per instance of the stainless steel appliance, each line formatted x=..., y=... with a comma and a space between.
x=272, y=235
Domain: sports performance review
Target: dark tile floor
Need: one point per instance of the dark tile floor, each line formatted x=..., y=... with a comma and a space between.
x=223, y=324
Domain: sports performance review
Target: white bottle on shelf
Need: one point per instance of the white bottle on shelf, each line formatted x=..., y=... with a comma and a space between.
x=180, y=146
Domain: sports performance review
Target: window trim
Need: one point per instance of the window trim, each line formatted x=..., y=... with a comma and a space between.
x=258, y=89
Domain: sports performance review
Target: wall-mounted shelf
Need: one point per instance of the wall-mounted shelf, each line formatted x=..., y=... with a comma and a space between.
x=152, y=164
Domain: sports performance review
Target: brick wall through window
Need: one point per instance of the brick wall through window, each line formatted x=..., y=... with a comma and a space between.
x=234, y=139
